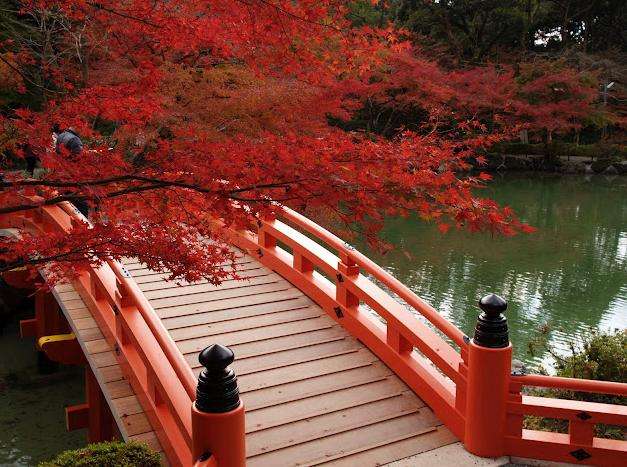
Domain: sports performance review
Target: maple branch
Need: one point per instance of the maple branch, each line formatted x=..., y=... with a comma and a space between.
x=154, y=184
x=21, y=262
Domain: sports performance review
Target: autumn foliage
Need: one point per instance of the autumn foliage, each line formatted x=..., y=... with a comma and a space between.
x=192, y=111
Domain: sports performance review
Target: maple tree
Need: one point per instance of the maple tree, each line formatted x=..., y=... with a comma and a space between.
x=194, y=111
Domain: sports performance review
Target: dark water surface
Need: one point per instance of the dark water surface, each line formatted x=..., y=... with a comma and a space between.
x=32, y=417
x=571, y=274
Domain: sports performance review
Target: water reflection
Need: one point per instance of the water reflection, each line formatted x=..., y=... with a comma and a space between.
x=571, y=274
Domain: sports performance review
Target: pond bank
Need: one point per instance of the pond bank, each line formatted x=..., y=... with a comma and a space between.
x=559, y=164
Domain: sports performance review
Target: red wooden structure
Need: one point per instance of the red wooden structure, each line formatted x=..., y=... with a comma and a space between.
x=468, y=385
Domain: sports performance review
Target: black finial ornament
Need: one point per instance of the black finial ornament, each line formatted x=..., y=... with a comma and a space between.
x=217, y=384
x=491, y=329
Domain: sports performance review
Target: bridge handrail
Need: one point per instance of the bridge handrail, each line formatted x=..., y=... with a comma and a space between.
x=182, y=369
x=162, y=379
x=161, y=334
x=376, y=271
x=571, y=384
x=463, y=413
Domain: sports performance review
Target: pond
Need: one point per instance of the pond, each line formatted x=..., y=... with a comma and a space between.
x=32, y=418
x=567, y=278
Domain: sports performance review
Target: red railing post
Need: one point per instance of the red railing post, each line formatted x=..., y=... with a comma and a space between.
x=346, y=268
x=489, y=369
x=218, y=429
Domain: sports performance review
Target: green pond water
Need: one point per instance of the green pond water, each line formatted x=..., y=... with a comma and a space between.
x=571, y=274
x=32, y=417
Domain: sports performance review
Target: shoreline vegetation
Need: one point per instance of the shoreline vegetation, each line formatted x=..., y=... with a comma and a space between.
x=600, y=356
x=567, y=158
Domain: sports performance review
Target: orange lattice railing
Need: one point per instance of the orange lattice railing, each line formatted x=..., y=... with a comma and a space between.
x=472, y=389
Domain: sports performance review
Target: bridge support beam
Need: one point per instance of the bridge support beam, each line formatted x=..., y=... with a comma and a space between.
x=489, y=370
x=218, y=430
x=101, y=425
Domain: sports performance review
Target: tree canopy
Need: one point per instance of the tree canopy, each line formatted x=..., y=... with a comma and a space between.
x=195, y=111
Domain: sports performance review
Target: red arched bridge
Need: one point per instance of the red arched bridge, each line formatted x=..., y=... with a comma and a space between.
x=332, y=365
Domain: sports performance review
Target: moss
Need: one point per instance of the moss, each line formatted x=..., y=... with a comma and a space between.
x=601, y=357
x=108, y=454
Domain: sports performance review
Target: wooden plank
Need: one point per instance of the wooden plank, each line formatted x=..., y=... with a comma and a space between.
x=390, y=452
x=253, y=335
x=292, y=356
x=79, y=313
x=64, y=287
x=128, y=405
x=346, y=443
x=139, y=269
x=103, y=359
x=90, y=334
x=303, y=371
x=136, y=424
x=242, y=324
x=161, y=282
x=183, y=290
x=117, y=389
x=285, y=292
x=110, y=373
x=97, y=346
x=305, y=430
x=237, y=313
x=269, y=346
x=69, y=295
x=315, y=406
x=85, y=323
x=265, y=283
x=74, y=304
x=325, y=384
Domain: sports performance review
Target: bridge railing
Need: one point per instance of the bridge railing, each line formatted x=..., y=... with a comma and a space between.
x=334, y=281
x=159, y=375
x=579, y=444
x=473, y=392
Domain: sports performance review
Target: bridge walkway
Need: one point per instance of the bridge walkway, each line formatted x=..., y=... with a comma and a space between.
x=313, y=394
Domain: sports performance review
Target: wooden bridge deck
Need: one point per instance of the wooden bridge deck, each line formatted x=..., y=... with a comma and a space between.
x=313, y=394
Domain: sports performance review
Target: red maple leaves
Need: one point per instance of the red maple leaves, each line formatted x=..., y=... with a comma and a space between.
x=193, y=111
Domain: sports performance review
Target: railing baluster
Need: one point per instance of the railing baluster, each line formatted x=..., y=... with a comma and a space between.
x=302, y=264
x=153, y=387
x=95, y=286
x=346, y=267
x=264, y=238
x=581, y=432
x=514, y=422
x=396, y=340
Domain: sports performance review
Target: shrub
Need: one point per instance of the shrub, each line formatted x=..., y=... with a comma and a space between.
x=108, y=454
x=601, y=356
